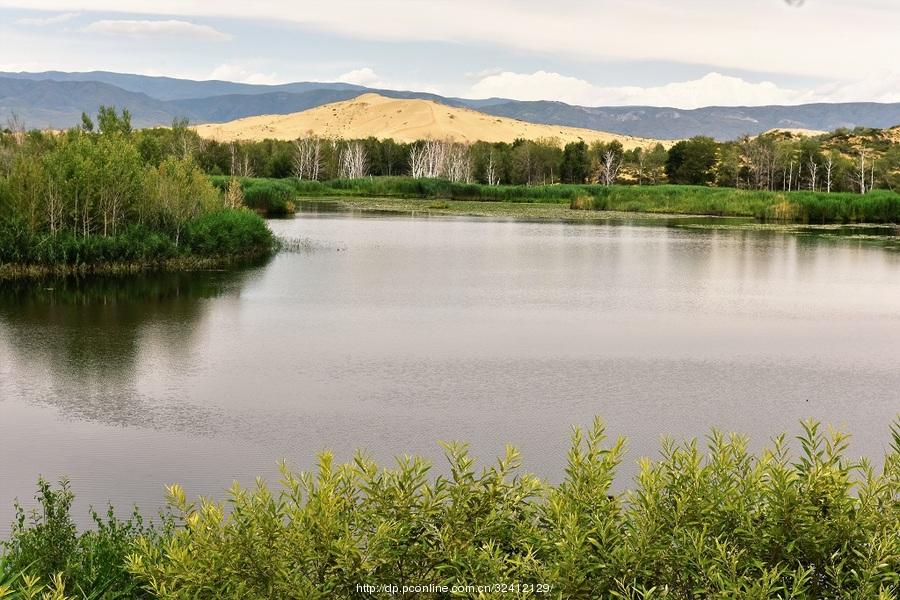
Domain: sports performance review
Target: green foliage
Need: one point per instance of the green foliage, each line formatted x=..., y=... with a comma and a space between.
x=272, y=197
x=228, y=232
x=880, y=206
x=109, y=121
x=692, y=162
x=86, y=201
x=46, y=554
x=575, y=166
x=713, y=523
x=701, y=521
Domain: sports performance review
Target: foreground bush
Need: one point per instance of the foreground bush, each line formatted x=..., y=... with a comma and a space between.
x=47, y=558
x=713, y=523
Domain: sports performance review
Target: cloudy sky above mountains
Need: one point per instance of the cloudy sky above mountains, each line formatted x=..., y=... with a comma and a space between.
x=593, y=52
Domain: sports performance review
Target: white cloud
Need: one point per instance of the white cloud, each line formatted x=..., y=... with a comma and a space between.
x=879, y=87
x=714, y=89
x=365, y=76
x=751, y=35
x=146, y=29
x=540, y=85
x=233, y=72
x=45, y=21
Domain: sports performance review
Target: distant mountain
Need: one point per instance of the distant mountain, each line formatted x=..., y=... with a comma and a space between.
x=56, y=99
x=59, y=104
x=722, y=123
x=169, y=88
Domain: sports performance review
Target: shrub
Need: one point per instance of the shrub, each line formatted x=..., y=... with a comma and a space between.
x=700, y=522
x=45, y=550
x=229, y=233
x=713, y=523
x=269, y=196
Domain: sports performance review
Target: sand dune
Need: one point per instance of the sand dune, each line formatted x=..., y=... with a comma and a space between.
x=404, y=121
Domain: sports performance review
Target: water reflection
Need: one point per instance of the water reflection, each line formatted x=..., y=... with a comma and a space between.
x=392, y=333
x=81, y=344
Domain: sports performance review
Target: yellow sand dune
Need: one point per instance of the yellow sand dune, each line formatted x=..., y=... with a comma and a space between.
x=403, y=120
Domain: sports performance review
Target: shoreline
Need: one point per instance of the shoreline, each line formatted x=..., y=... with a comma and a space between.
x=561, y=213
x=187, y=264
x=550, y=212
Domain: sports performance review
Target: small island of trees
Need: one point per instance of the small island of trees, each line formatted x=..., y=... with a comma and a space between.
x=87, y=200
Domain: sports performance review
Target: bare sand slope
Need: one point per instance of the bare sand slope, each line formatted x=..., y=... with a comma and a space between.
x=797, y=131
x=404, y=121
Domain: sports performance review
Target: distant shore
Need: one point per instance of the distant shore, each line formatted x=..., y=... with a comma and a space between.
x=278, y=196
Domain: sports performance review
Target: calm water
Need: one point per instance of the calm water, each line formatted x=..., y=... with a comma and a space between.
x=391, y=333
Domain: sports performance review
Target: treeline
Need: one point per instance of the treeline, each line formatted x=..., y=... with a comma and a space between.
x=700, y=522
x=844, y=161
x=90, y=196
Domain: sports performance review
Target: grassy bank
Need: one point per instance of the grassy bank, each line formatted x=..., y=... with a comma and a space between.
x=275, y=195
x=713, y=522
x=217, y=239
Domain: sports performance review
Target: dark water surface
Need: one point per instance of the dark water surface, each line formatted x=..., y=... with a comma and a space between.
x=391, y=333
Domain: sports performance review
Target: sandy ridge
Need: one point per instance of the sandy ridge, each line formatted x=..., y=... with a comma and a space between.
x=404, y=120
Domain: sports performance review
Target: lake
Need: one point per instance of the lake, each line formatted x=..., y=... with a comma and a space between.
x=390, y=333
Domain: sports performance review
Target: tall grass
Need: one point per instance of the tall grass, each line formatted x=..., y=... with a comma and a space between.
x=879, y=206
x=701, y=521
x=271, y=197
x=222, y=235
x=793, y=207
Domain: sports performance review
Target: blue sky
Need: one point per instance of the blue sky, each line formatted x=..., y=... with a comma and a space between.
x=598, y=52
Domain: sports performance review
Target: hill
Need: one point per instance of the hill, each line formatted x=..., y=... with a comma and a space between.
x=404, y=120
x=56, y=99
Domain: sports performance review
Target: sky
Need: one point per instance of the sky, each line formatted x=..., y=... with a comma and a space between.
x=684, y=53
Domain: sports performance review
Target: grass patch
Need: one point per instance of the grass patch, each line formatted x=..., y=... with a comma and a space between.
x=879, y=206
x=215, y=239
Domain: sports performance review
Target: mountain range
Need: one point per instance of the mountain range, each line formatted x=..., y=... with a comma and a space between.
x=56, y=99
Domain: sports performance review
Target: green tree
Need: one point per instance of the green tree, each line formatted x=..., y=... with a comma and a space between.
x=109, y=121
x=179, y=192
x=728, y=166
x=575, y=165
x=693, y=161
x=655, y=163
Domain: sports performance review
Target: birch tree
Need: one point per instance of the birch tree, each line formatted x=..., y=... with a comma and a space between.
x=861, y=171
x=829, y=171
x=307, y=158
x=352, y=162
x=610, y=166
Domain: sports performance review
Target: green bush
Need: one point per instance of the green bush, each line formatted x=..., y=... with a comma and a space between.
x=713, y=522
x=221, y=234
x=229, y=232
x=271, y=197
x=719, y=523
x=45, y=550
